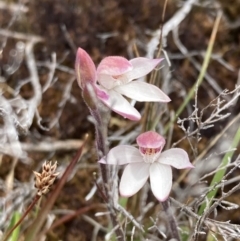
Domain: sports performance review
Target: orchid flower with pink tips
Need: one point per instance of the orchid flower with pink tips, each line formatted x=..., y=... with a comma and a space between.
x=86, y=74
x=115, y=76
x=147, y=161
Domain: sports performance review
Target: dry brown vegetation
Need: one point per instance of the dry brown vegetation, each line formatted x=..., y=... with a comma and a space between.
x=43, y=116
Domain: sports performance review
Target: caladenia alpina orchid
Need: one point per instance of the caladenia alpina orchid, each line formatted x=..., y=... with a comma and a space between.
x=147, y=161
x=116, y=76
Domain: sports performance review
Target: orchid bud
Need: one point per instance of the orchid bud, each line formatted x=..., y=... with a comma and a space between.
x=85, y=69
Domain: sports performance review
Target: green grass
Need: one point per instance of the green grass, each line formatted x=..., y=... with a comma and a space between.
x=219, y=175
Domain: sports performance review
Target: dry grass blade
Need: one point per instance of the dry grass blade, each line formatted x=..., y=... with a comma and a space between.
x=207, y=58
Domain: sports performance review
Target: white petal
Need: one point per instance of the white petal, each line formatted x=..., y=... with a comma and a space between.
x=134, y=177
x=141, y=67
x=175, y=157
x=120, y=105
x=160, y=180
x=107, y=81
x=141, y=91
x=121, y=155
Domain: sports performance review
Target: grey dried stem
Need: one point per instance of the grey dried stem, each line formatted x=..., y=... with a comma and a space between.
x=220, y=202
x=17, y=112
x=219, y=105
x=171, y=24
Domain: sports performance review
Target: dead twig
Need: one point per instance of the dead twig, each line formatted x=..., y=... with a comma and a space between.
x=44, y=146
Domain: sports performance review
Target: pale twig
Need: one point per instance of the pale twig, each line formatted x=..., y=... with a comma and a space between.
x=232, y=230
x=65, y=97
x=217, y=56
x=209, y=210
x=52, y=67
x=37, y=96
x=216, y=185
x=130, y=217
x=144, y=211
x=44, y=146
x=57, y=66
x=205, y=151
x=13, y=7
x=217, y=114
x=156, y=225
x=178, y=17
x=223, y=196
x=94, y=223
x=217, y=169
x=8, y=133
x=68, y=38
x=132, y=234
x=20, y=36
x=103, y=38
x=198, y=66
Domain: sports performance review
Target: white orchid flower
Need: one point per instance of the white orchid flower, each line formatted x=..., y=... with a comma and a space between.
x=147, y=161
x=116, y=77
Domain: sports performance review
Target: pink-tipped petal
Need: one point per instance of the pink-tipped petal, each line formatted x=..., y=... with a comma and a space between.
x=141, y=91
x=84, y=68
x=121, y=155
x=120, y=105
x=114, y=65
x=134, y=177
x=160, y=180
x=141, y=67
x=101, y=94
x=150, y=139
x=175, y=157
x=103, y=160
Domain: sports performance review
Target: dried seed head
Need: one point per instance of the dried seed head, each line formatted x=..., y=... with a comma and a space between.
x=45, y=179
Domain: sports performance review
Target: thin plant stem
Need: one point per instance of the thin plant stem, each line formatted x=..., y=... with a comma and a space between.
x=30, y=207
x=171, y=220
x=101, y=124
x=70, y=216
x=101, y=137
